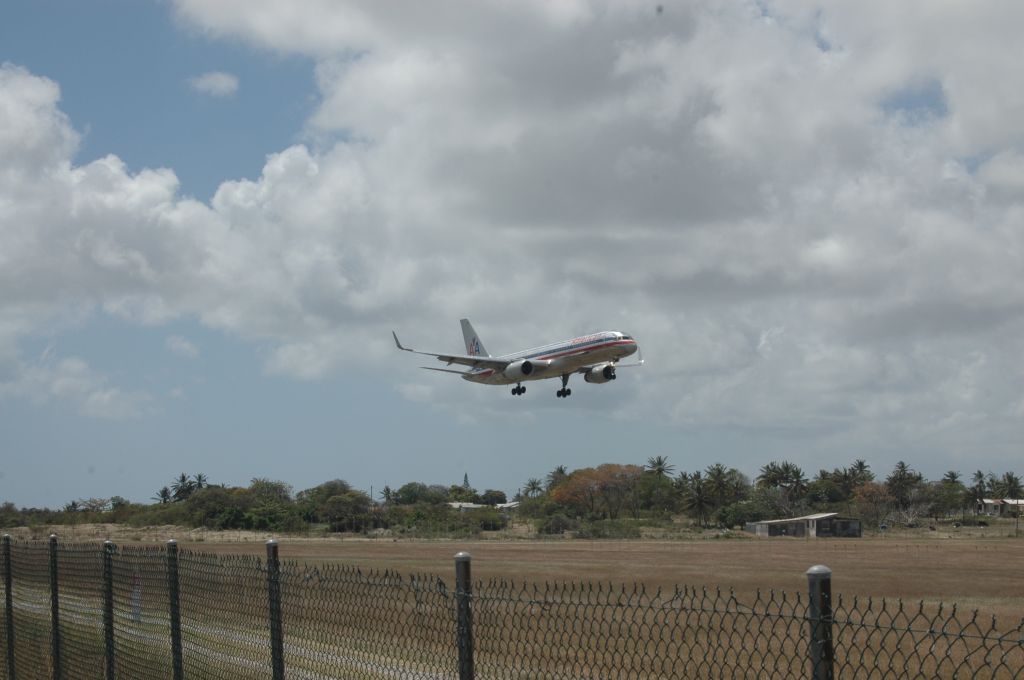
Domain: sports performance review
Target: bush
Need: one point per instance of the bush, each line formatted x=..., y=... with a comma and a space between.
x=489, y=520
x=558, y=524
x=609, y=528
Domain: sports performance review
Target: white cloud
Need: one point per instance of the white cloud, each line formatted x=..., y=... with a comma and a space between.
x=215, y=84
x=1004, y=174
x=702, y=177
x=73, y=380
x=182, y=347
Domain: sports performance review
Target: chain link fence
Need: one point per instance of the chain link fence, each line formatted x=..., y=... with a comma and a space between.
x=84, y=611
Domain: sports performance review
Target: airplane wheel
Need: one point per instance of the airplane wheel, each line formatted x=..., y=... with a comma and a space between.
x=568, y=391
x=515, y=392
x=522, y=390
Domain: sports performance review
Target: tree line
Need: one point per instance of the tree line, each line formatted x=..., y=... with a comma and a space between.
x=725, y=497
x=607, y=500
x=272, y=505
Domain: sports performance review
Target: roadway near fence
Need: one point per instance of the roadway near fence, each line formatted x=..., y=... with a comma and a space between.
x=82, y=611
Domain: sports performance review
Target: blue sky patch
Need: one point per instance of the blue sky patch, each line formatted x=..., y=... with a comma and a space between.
x=124, y=69
x=918, y=102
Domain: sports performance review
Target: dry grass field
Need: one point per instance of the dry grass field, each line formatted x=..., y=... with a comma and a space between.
x=340, y=620
x=973, y=572
x=987, y=575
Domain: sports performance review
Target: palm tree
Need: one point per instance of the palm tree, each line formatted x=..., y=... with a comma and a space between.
x=659, y=466
x=534, y=487
x=861, y=472
x=557, y=476
x=901, y=482
x=785, y=476
x=182, y=487
x=163, y=496
x=951, y=477
x=718, y=483
x=976, y=491
x=771, y=476
x=199, y=481
x=387, y=495
x=696, y=496
x=1007, y=486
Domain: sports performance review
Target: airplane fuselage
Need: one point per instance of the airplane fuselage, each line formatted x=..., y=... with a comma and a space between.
x=560, y=358
x=595, y=356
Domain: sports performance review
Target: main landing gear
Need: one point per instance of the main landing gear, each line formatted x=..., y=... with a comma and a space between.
x=565, y=391
x=518, y=389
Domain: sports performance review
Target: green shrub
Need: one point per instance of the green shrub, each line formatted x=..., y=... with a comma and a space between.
x=558, y=524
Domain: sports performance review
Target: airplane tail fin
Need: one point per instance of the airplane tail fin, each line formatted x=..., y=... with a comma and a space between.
x=473, y=345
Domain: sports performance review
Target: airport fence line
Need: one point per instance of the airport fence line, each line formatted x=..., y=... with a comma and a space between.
x=83, y=611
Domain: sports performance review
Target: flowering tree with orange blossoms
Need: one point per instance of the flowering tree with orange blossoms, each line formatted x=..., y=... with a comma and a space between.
x=605, y=489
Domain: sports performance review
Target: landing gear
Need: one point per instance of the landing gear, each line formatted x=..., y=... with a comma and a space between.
x=565, y=391
x=517, y=390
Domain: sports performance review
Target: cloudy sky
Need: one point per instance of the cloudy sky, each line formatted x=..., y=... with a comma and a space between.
x=811, y=216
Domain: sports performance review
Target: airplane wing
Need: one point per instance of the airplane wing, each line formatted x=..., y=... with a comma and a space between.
x=615, y=365
x=639, y=362
x=461, y=359
x=585, y=369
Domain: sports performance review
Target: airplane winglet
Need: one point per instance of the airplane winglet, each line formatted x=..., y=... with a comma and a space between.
x=398, y=344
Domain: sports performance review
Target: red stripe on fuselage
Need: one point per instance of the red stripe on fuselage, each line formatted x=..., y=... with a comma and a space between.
x=577, y=351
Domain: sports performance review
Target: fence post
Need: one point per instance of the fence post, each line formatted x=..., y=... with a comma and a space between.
x=54, y=609
x=819, y=581
x=108, y=607
x=9, y=606
x=274, y=593
x=174, y=600
x=464, y=626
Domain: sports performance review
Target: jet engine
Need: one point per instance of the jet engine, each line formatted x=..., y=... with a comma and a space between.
x=518, y=370
x=601, y=373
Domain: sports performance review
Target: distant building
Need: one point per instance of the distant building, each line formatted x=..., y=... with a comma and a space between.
x=997, y=507
x=457, y=505
x=820, y=525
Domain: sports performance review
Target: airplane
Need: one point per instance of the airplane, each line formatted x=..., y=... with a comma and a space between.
x=596, y=356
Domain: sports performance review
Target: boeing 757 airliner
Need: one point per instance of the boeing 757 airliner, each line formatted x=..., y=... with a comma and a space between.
x=595, y=356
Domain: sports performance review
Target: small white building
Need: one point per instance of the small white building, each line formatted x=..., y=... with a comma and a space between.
x=459, y=505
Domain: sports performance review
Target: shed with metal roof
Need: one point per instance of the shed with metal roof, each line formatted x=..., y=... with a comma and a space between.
x=819, y=525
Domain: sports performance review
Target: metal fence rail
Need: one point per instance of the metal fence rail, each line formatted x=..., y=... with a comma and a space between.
x=85, y=611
